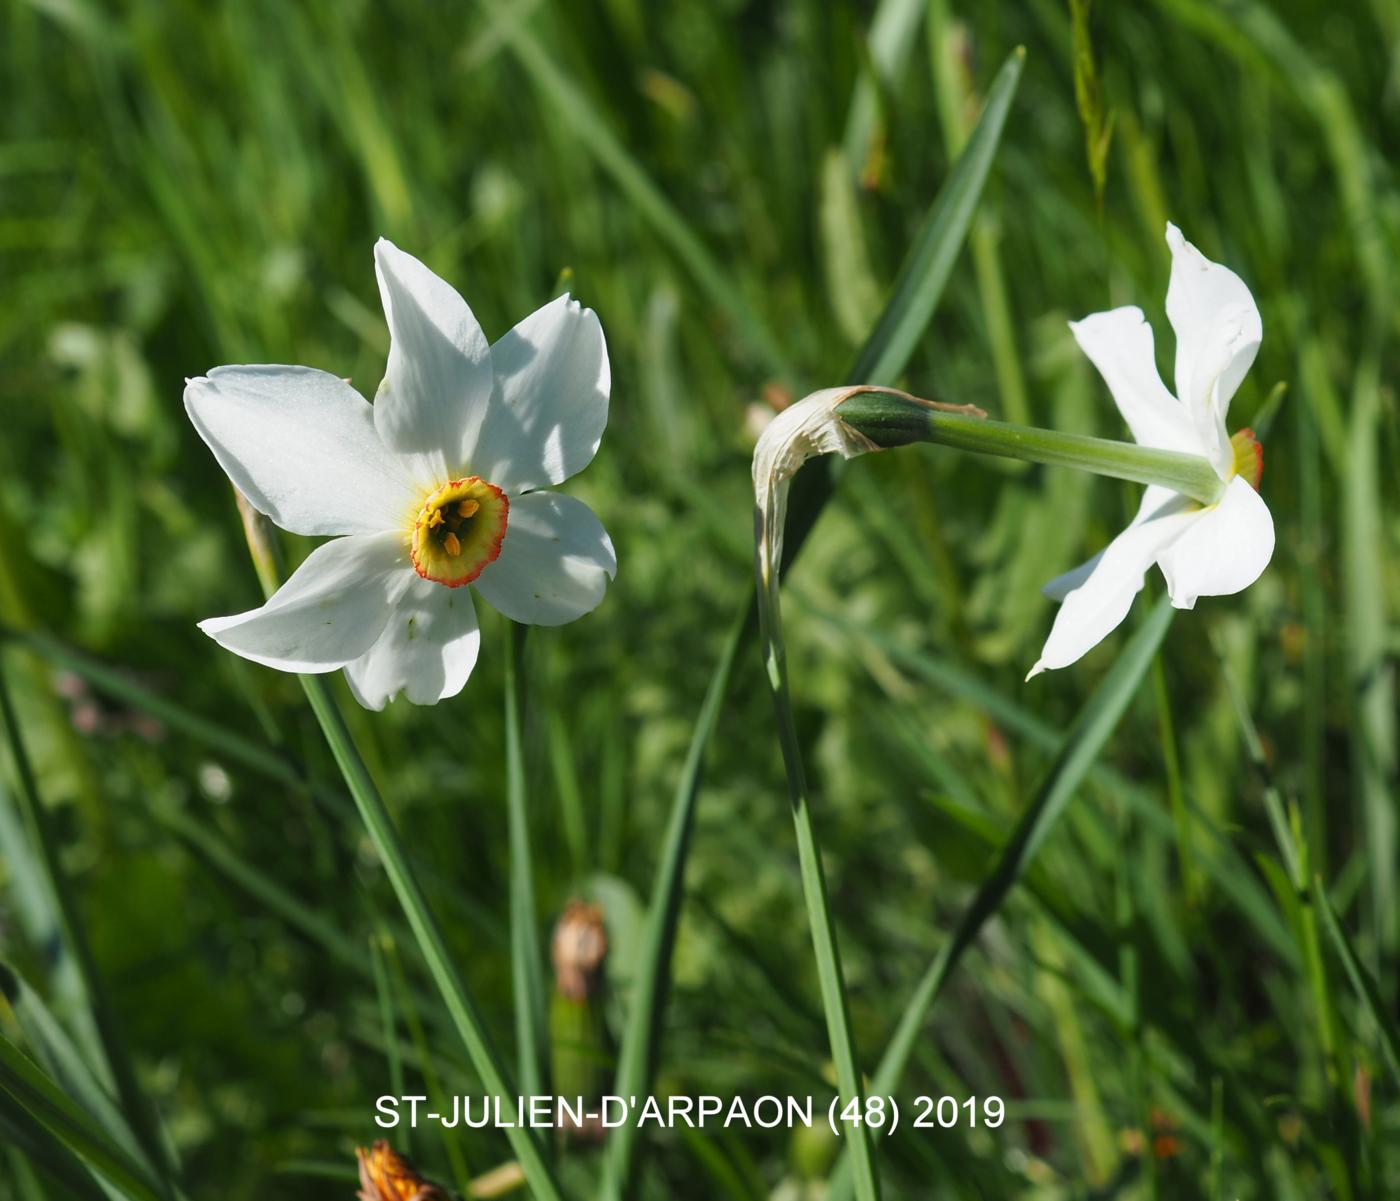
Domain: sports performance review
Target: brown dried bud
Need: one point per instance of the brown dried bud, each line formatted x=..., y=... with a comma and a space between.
x=385, y=1175
x=579, y=948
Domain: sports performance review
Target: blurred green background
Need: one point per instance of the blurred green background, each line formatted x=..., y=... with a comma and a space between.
x=732, y=186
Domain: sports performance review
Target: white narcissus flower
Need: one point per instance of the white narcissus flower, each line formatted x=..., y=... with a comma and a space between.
x=436, y=485
x=1211, y=550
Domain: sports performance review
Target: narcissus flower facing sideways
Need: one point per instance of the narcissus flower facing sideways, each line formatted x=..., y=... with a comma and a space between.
x=437, y=485
x=1210, y=550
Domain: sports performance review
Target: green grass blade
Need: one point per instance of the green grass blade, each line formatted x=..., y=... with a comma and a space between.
x=1227, y=869
x=1361, y=980
x=112, y=1047
x=25, y=1145
x=947, y=43
x=1091, y=730
x=646, y=1007
x=46, y=1103
x=567, y=789
x=578, y=112
x=63, y=1060
x=526, y=958
x=880, y=362
x=118, y=685
x=891, y=36
x=432, y=1080
x=427, y=931
x=1370, y=664
x=835, y=1004
x=232, y=746
x=441, y=965
x=380, y=944
x=925, y=271
x=1296, y=855
x=266, y=891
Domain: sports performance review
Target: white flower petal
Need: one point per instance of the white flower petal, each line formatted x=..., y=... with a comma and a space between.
x=1225, y=550
x=1119, y=343
x=437, y=386
x=555, y=563
x=551, y=401
x=1094, y=610
x=301, y=445
x=427, y=650
x=328, y=613
x=1157, y=501
x=1218, y=331
x=1062, y=585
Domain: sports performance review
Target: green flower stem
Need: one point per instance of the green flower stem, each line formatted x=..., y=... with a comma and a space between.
x=426, y=930
x=527, y=961
x=828, y=956
x=891, y=419
x=915, y=295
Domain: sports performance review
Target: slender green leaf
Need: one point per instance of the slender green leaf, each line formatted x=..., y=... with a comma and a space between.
x=63, y=1060
x=115, y=1056
x=26, y=1145
x=1367, y=993
x=526, y=957
x=827, y=950
x=884, y=356
x=576, y=110
x=427, y=931
x=45, y=1102
x=441, y=964
x=930, y=261
x=1091, y=730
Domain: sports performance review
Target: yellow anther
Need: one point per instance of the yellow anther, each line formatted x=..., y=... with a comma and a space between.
x=435, y=520
x=451, y=545
x=467, y=508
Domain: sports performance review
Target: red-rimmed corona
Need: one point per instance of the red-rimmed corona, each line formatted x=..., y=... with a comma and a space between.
x=459, y=531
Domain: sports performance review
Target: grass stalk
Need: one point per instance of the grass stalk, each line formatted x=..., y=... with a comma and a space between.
x=636, y=1059
x=814, y=890
x=526, y=957
x=915, y=295
x=1287, y=826
x=1171, y=761
x=451, y=1143
x=427, y=932
x=1096, y=721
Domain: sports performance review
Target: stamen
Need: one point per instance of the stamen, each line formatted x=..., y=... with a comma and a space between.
x=459, y=531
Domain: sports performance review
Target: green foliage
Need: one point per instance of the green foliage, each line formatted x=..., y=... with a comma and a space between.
x=1186, y=988
x=1088, y=95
